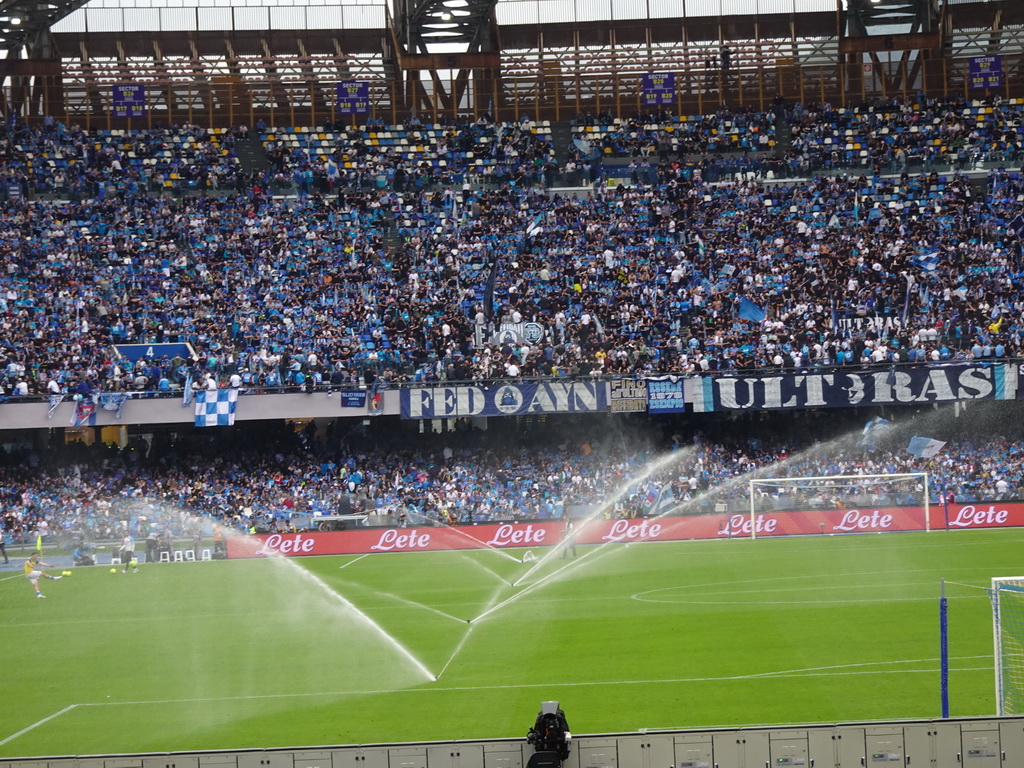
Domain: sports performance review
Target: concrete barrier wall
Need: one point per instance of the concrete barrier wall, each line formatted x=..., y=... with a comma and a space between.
x=961, y=743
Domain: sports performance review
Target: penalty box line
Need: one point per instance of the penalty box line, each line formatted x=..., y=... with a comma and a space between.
x=25, y=730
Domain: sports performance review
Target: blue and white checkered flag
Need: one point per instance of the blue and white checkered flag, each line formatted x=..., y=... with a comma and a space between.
x=216, y=408
x=927, y=262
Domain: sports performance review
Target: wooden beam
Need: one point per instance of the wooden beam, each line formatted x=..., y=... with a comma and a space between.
x=435, y=61
x=877, y=44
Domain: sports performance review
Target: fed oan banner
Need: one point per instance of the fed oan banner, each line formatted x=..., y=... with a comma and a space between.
x=504, y=399
x=842, y=389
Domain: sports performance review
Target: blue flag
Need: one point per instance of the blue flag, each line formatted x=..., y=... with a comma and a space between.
x=874, y=430
x=925, y=447
x=55, y=400
x=84, y=414
x=748, y=310
x=1017, y=225
x=113, y=401
x=186, y=391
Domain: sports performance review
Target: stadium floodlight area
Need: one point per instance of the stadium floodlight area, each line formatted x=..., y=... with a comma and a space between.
x=779, y=494
x=1007, y=595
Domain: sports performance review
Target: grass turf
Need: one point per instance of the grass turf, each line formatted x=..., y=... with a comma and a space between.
x=342, y=650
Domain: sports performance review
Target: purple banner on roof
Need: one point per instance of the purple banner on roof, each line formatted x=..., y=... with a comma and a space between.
x=985, y=71
x=354, y=96
x=658, y=89
x=129, y=100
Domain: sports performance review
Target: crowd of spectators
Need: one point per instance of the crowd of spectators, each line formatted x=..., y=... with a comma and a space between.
x=632, y=281
x=277, y=479
x=894, y=136
x=409, y=157
x=397, y=283
x=661, y=135
x=52, y=159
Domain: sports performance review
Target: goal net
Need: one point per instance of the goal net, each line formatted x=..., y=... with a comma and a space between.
x=833, y=492
x=1007, y=595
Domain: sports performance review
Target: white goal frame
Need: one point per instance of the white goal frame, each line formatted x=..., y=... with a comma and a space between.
x=785, y=481
x=997, y=635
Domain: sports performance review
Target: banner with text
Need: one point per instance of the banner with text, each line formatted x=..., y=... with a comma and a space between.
x=658, y=89
x=665, y=396
x=985, y=71
x=354, y=96
x=840, y=389
x=549, y=534
x=627, y=396
x=129, y=100
x=504, y=399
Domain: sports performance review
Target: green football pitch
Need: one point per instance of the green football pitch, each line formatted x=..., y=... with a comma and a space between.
x=437, y=646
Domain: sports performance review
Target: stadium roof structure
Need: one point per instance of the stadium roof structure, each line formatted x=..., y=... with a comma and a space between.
x=22, y=22
x=227, y=61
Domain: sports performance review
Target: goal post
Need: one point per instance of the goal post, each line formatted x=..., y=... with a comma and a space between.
x=1007, y=597
x=907, y=489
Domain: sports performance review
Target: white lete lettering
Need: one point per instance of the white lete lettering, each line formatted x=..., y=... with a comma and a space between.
x=740, y=524
x=855, y=520
x=624, y=530
x=277, y=544
x=508, y=535
x=392, y=540
x=969, y=516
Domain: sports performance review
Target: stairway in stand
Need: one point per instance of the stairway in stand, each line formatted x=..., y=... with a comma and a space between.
x=251, y=156
x=783, y=132
x=561, y=138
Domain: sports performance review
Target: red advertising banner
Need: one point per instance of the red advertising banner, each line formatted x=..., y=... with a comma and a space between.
x=508, y=535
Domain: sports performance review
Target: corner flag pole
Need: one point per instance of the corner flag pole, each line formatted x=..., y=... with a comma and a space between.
x=943, y=650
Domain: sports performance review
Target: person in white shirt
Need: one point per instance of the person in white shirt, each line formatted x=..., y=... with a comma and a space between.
x=127, y=551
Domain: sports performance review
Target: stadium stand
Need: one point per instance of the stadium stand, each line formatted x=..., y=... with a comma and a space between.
x=631, y=279
x=283, y=478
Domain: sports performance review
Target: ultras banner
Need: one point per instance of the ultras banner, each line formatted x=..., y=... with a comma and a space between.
x=548, y=534
x=841, y=389
x=504, y=399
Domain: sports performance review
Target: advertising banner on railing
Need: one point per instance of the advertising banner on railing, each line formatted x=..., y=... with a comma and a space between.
x=842, y=389
x=627, y=396
x=505, y=399
x=665, y=395
x=549, y=534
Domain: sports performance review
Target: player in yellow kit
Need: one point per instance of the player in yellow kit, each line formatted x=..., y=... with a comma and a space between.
x=33, y=572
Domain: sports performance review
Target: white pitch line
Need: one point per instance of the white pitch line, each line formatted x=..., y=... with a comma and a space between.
x=346, y=565
x=852, y=666
x=808, y=672
x=23, y=731
x=774, y=579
